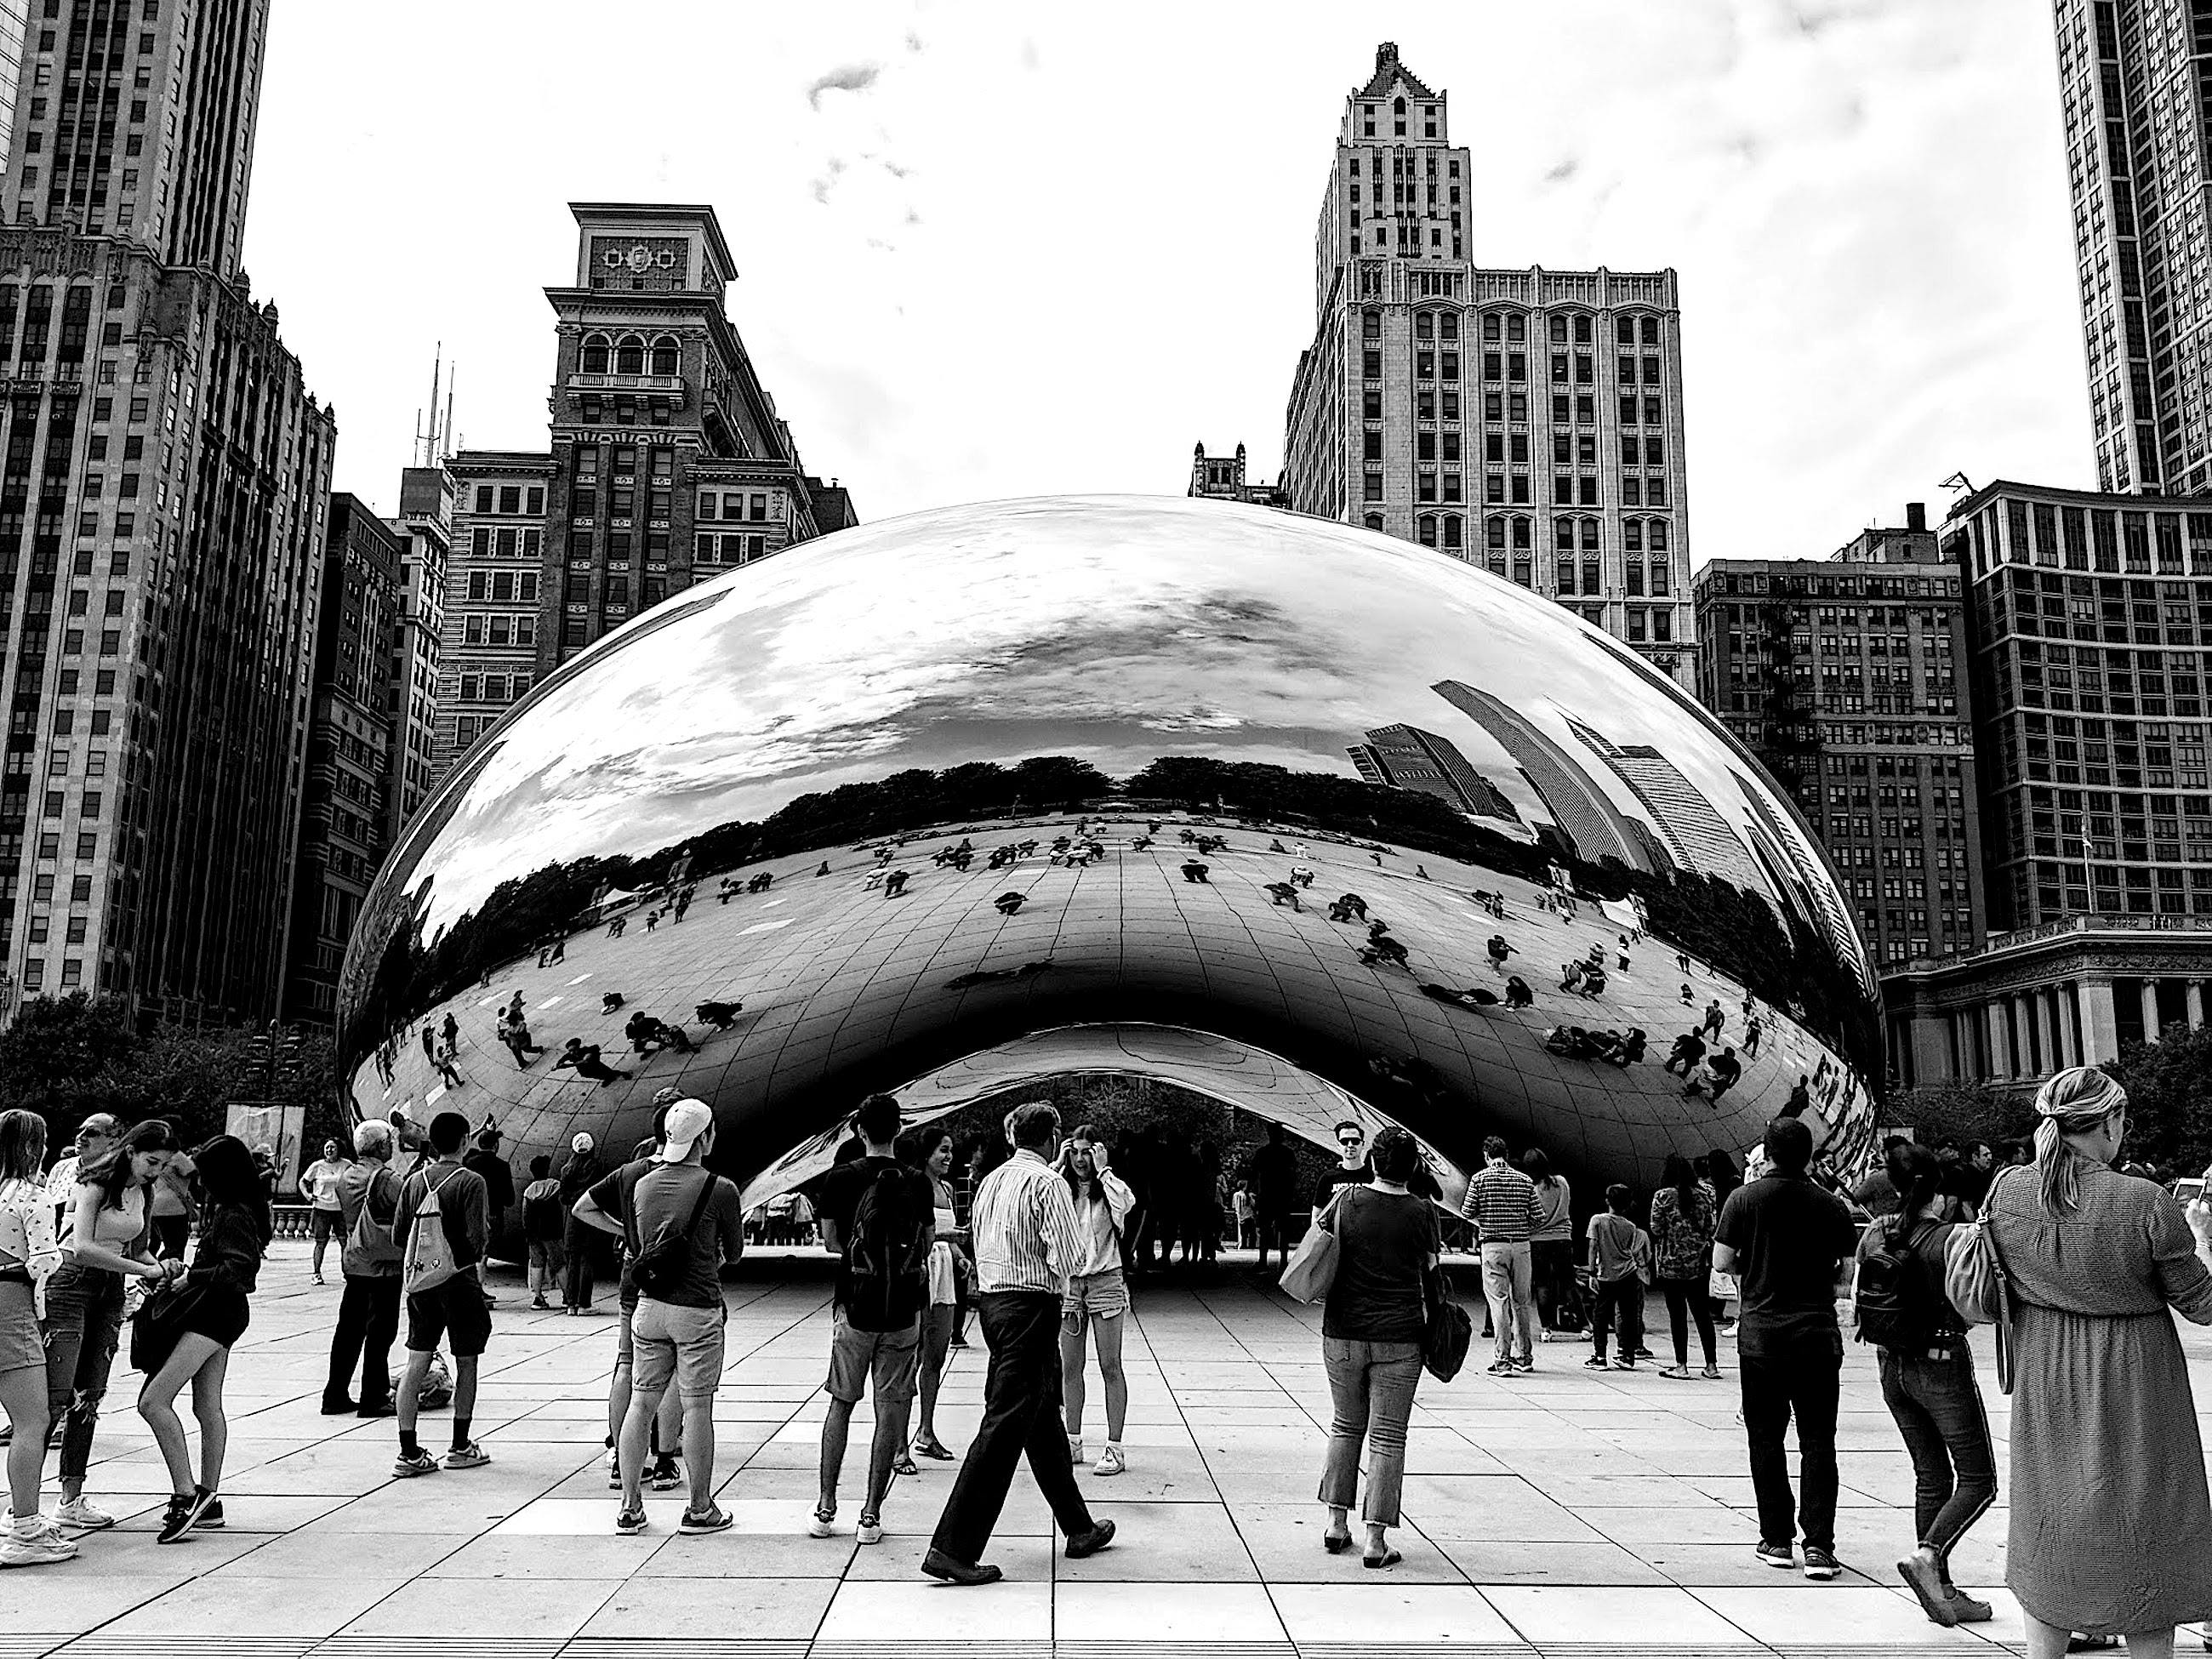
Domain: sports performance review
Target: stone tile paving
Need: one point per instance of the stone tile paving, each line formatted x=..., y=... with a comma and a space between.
x=1566, y=1513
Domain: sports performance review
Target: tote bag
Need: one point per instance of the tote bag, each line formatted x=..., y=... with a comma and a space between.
x=1975, y=1280
x=1312, y=1268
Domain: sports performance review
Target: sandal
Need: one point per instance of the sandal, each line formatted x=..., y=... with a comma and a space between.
x=904, y=1465
x=1388, y=1558
x=932, y=1447
x=1336, y=1542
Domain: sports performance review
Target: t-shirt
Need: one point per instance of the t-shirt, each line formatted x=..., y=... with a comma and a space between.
x=321, y=1181
x=460, y=1208
x=1274, y=1174
x=1789, y=1235
x=1613, y=1240
x=1385, y=1240
x=1337, y=1175
x=839, y=1200
x=665, y=1196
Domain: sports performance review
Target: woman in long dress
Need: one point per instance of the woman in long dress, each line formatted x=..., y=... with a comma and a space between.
x=2111, y=1526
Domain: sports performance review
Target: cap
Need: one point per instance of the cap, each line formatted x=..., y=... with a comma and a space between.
x=582, y=1143
x=687, y=1120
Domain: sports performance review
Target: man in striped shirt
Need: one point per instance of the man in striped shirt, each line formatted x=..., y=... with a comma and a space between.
x=1502, y=1204
x=1026, y=1243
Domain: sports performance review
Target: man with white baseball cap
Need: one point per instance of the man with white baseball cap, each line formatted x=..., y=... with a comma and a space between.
x=681, y=1222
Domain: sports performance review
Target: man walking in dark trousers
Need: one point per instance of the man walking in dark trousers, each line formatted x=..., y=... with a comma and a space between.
x=1789, y=1238
x=1025, y=1239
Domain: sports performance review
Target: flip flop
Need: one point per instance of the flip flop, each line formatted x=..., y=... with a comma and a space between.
x=1388, y=1558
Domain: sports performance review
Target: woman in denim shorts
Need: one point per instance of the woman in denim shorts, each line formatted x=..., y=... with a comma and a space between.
x=1097, y=1296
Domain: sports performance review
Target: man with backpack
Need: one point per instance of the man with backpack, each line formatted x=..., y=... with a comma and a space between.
x=681, y=1222
x=1928, y=1381
x=369, y=1261
x=875, y=1217
x=442, y=1227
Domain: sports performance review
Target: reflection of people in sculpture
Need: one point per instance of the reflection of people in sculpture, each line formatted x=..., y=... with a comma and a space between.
x=719, y=1015
x=1727, y=1070
x=1282, y=892
x=1689, y=1048
x=1007, y=904
x=1593, y=980
x=1688, y=1001
x=1382, y=948
x=1301, y=876
x=1800, y=1098
x=1140, y=843
x=1498, y=950
x=610, y=1001
x=1627, y=1051
x=1517, y=993
x=1349, y=908
x=894, y=884
x=824, y=870
x=1570, y=976
x=649, y=1035
x=1474, y=997
x=619, y=926
x=1751, y=1034
x=1193, y=871
x=1276, y=846
x=683, y=903
x=583, y=1059
x=1715, y=1020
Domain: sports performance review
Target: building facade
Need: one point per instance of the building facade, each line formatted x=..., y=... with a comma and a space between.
x=1846, y=676
x=163, y=476
x=1407, y=757
x=1223, y=478
x=668, y=464
x=2133, y=88
x=344, y=829
x=425, y=530
x=1527, y=421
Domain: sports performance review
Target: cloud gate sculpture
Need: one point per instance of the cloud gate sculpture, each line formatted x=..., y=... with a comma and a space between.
x=1301, y=813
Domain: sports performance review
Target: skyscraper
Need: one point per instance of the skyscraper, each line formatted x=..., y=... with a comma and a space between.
x=344, y=829
x=2133, y=86
x=668, y=465
x=425, y=529
x=1697, y=838
x=15, y=29
x=1528, y=421
x=163, y=476
x=1407, y=757
x=1591, y=826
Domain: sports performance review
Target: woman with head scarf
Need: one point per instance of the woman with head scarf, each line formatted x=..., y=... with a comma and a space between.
x=2112, y=1529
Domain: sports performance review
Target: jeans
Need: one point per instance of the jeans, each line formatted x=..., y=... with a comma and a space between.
x=368, y=1321
x=1552, y=1273
x=1022, y=1410
x=1938, y=1408
x=1508, y=1284
x=84, y=1321
x=576, y=1278
x=1803, y=1379
x=1686, y=1300
x=1620, y=1304
x=1370, y=1386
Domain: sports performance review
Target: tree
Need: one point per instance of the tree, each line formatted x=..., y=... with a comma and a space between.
x=2169, y=1085
x=1960, y=1110
x=58, y=1046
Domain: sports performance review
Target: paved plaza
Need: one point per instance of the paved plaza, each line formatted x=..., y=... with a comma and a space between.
x=1568, y=1512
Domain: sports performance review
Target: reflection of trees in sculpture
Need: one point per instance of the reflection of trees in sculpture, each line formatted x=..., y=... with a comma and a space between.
x=1712, y=919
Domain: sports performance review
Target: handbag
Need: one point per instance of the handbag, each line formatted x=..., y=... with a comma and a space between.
x=1312, y=1267
x=159, y=1325
x=1975, y=1280
x=1447, y=1333
x=1723, y=1286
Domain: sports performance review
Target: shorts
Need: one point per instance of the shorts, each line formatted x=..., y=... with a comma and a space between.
x=326, y=1224
x=220, y=1316
x=890, y=1360
x=672, y=1341
x=1100, y=1296
x=21, y=1347
x=453, y=1309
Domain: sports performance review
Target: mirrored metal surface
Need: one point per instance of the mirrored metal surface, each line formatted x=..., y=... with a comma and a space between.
x=839, y=821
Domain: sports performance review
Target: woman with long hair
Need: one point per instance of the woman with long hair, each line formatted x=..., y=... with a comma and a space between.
x=103, y=1242
x=1683, y=1216
x=1552, y=1246
x=1096, y=1295
x=28, y=1257
x=2112, y=1524
x=212, y=1313
x=930, y=1149
x=1387, y=1245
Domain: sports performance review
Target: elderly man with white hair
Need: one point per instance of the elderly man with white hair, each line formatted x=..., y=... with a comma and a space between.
x=368, y=1311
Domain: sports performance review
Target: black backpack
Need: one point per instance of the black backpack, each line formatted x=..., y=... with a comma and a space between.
x=885, y=1250
x=657, y=1267
x=1896, y=1306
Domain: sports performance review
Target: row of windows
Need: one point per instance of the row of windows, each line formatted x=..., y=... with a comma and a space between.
x=736, y=506
x=502, y=587
x=631, y=355
x=1511, y=328
x=495, y=688
x=506, y=543
x=729, y=550
x=496, y=629
x=512, y=498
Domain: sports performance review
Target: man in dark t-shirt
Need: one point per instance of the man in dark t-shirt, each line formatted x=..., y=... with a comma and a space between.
x=1352, y=1170
x=1788, y=1239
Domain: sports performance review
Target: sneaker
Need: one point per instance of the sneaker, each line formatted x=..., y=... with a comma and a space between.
x=80, y=1515
x=1968, y=1611
x=211, y=1517
x=630, y=1521
x=614, y=1476
x=470, y=1456
x=712, y=1518
x=319, y=1278
x=1624, y=1365
x=1712, y=1373
x=824, y=1525
x=1820, y=1563
x=1110, y=1462
x=541, y=1306
x=1925, y=1580
x=1597, y=1362
x=1074, y=1450
x=1777, y=1555
x=1525, y=1364
x=1501, y=1368
x=406, y=1468
x=41, y=1546
x=664, y=1475
x=183, y=1510
x=871, y=1530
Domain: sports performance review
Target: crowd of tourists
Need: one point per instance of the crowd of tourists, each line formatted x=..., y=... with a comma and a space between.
x=2111, y=1530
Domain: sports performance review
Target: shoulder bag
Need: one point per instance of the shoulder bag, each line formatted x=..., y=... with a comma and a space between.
x=1312, y=1267
x=1975, y=1280
x=1448, y=1332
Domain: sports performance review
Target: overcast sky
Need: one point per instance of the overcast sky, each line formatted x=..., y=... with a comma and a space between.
x=988, y=250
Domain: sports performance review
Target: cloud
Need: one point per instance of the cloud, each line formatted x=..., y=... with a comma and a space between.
x=1563, y=171
x=831, y=173
x=845, y=77
x=913, y=41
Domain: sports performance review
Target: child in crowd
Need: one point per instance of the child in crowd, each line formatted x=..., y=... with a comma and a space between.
x=543, y=1217
x=1617, y=1247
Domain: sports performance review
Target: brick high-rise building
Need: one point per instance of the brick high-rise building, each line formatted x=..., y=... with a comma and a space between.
x=1845, y=675
x=1528, y=421
x=2133, y=86
x=344, y=830
x=163, y=476
x=425, y=529
x=668, y=464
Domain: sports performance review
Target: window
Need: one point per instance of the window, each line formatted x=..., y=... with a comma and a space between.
x=630, y=355
x=665, y=355
x=594, y=360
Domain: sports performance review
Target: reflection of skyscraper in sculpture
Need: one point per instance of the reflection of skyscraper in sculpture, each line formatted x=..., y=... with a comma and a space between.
x=1812, y=890
x=1694, y=832
x=1592, y=826
x=1407, y=757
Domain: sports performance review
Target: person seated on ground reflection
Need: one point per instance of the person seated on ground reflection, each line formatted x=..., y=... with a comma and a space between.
x=719, y=1015
x=894, y=884
x=1349, y=908
x=583, y=1059
x=824, y=870
x=1474, y=997
x=649, y=1033
x=1517, y=993
x=1593, y=980
x=1009, y=903
x=1301, y=876
x=1382, y=948
x=1193, y=871
x=1626, y=1051
x=1570, y=976
x=610, y=1001
x=1282, y=892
